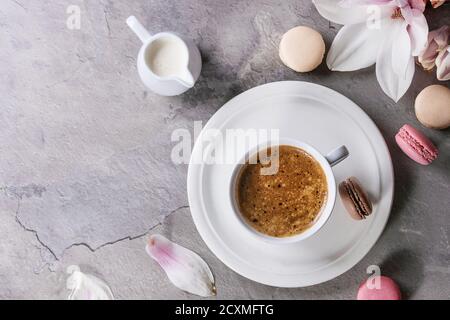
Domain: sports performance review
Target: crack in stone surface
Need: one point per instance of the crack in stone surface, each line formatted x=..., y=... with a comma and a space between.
x=143, y=234
x=36, y=190
x=107, y=22
x=19, y=4
x=19, y=195
x=31, y=230
x=27, y=191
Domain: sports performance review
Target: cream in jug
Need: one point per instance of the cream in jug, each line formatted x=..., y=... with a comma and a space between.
x=168, y=64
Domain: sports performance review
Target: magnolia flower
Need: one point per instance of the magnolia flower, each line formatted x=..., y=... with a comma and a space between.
x=443, y=64
x=389, y=33
x=437, y=42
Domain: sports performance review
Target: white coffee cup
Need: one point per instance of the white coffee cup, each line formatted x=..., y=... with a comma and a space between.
x=326, y=162
x=179, y=62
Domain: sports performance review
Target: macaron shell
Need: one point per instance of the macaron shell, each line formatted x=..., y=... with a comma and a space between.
x=350, y=191
x=387, y=290
x=432, y=107
x=410, y=151
x=363, y=198
x=348, y=202
x=408, y=148
x=421, y=138
x=302, y=49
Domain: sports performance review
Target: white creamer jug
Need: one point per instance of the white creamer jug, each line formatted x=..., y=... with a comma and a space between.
x=168, y=64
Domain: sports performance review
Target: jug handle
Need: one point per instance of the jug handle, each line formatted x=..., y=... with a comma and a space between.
x=138, y=29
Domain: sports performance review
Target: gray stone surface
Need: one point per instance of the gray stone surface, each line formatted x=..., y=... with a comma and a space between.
x=85, y=169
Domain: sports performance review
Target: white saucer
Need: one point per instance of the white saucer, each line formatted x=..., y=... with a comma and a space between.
x=324, y=119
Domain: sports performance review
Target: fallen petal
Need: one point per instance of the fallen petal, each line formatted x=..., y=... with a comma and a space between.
x=86, y=287
x=354, y=47
x=392, y=84
x=184, y=268
x=443, y=65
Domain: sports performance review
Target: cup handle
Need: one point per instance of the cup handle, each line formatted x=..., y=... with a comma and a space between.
x=138, y=29
x=337, y=155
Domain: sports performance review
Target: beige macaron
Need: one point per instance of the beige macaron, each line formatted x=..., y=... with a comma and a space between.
x=433, y=107
x=302, y=49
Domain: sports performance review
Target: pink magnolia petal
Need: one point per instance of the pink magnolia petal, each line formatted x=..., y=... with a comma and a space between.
x=184, y=268
x=437, y=41
x=418, y=4
x=417, y=29
x=392, y=84
x=441, y=36
x=354, y=47
x=428, y=57
x=443, y=65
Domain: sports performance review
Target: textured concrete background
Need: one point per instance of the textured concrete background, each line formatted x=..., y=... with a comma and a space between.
x=85, y=170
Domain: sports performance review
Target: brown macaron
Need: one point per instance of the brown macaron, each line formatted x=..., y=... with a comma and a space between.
x=355, y=199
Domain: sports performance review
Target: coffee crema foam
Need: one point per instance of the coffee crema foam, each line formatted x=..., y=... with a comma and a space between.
x=285, y=203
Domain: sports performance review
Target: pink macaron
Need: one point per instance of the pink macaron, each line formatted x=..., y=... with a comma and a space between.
x=379, y=288
x=416, y=145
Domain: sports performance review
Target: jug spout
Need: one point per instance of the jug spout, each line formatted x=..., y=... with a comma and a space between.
x=186, y=79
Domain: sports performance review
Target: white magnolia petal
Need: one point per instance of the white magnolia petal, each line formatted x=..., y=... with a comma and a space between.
x=392, y=84
x=418, y=32
x=401, y=51
x=401, y=3
x=443, y=65
x=84, y=286
x=331, y=10
x=184, y=268
x=350, y=3
x=354, y=47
